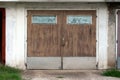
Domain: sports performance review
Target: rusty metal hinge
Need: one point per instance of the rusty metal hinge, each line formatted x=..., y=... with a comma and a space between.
x=25, y=64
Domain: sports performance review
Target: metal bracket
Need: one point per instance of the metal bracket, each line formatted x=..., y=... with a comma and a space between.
x=116, y=41
x=26, y=65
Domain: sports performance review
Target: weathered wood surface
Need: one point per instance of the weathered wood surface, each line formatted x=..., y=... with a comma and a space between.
x=61, y=39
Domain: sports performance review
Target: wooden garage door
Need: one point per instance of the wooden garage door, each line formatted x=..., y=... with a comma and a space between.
x=43, y=37
x=61, y=39
x=79, y=33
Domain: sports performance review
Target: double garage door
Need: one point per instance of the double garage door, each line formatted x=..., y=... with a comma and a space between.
x=61, y=39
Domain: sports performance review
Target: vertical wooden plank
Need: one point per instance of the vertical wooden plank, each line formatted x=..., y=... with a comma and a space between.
x=29, y=34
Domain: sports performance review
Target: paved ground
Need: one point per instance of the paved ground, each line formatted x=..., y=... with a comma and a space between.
x=65, y=75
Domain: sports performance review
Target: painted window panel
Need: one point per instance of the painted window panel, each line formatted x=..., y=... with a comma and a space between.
x=44, y=19
x=79, y=19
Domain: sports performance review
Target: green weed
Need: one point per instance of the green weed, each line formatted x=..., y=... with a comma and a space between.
x=112, y=73
x=9, y=73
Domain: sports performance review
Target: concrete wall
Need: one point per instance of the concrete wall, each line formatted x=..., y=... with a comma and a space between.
x=16, y=29
x=111, y=38
x=112, y=34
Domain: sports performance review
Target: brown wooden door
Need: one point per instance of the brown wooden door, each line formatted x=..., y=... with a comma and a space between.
x=43, y=38
x=69, y=39
x=79, y=38
x=79, y=35
x=44, y=33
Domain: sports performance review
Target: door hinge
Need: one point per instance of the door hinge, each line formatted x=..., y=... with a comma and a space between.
x=97, y=65
x=26, y=65
x=116, y=41
x=117, y=12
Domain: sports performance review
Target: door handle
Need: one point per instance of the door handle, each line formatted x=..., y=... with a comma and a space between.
x=63, y=41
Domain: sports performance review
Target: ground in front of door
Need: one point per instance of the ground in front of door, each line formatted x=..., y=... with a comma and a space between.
x=65, y=75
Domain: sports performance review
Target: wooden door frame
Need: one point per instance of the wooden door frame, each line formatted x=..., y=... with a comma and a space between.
x=4, y=33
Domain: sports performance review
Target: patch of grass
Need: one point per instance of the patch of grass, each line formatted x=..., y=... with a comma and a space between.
x=9, y=73
x=112, y=73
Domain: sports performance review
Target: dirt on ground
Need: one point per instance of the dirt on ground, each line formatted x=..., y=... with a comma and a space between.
x=65, y=75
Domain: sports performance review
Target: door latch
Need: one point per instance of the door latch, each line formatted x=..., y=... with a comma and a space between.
x=63, y=41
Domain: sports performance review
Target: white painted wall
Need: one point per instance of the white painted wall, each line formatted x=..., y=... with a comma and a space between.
x=102, y=37
x=11, y=23
x=16, y=29
x=15, y=37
